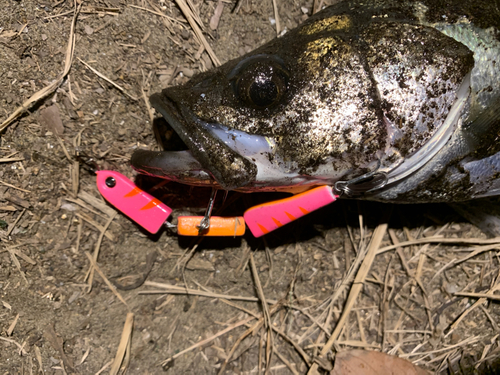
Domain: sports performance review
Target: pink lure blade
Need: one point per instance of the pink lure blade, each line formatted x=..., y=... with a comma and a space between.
x=144, y=209
x=267, y=217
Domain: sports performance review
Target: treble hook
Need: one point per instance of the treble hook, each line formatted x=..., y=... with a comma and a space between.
x=363, y=184
x=205, y=222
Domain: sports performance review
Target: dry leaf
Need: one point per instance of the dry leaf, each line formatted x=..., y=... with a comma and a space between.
x=364, y=362
x=50, y=119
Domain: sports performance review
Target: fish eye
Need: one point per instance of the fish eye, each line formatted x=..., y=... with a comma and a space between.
x=263, y=91
x=260, y=81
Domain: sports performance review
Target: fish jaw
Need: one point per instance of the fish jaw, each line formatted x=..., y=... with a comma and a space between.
x=209, y=161
x=218, y=156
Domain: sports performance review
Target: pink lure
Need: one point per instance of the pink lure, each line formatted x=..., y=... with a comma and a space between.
x=267, y=217
x=144, y=209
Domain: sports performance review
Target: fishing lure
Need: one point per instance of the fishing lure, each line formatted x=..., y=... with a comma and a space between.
x=151, y=214
x=141, y=207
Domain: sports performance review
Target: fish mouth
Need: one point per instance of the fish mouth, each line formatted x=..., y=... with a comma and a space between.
x=217, y=155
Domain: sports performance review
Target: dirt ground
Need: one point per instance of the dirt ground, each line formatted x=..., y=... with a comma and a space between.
x=52, y=322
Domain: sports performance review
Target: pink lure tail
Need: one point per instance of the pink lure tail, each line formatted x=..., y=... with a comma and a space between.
x=144, y=209
x=267, y=217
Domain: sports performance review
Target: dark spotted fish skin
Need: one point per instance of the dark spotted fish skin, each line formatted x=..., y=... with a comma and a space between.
x=409, y=89
x=468, y=165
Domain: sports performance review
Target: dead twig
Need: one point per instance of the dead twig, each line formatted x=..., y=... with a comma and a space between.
x=108, y=80
x=190, y=18
x=276, y=17
x=472, y=241
x=14, y=187
x=206, y=341
x=267, y=316
x=356, y=288
x=12, y=325
x=13, y=225
x=494, y=297
x=175, y=289
x=90, y=274
x=108, y=283
x=54, y=85
x=245, y=334
x=23, y=352
x=57, y=343
x=124, y=346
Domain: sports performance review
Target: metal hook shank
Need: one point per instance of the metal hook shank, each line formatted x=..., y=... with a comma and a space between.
x=205, y=222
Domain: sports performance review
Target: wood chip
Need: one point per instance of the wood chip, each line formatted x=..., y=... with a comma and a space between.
x=17, y=200
x=214, y=21
x=18, y=265
x=12, y=325
x=373, y=363
x=57, y=343
x=8, y=208
x=10, y=160
x=23, y=256
x=38, y=356
x=200, y=264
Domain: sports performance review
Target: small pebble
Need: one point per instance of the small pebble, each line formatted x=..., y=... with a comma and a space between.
x=188, y=72
x=88, y=30
x=185, y=34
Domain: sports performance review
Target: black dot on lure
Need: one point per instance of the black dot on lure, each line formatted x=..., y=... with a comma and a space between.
x=110, y=182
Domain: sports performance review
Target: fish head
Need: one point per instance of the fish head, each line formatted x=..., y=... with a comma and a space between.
x=305, y=109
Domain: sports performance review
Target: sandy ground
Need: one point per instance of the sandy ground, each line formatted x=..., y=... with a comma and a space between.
x=52, y=216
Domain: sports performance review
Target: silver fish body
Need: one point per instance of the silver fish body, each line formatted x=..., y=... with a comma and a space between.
x=398, y=100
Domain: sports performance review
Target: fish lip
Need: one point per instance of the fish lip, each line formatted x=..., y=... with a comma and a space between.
x=182, y=167
x=214, y=159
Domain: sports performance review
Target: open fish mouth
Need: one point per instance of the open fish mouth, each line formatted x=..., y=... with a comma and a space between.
x=217, y=155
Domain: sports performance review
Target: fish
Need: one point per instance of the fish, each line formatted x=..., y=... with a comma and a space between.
x=383, y=100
